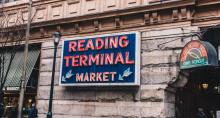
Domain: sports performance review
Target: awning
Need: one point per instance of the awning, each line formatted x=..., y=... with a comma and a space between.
x=16, y=68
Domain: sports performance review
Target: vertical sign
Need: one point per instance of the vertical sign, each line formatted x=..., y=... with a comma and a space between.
x=101, y=60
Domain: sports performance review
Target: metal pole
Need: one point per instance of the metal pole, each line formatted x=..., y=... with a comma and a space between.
x=24, y=72
x=49, y=114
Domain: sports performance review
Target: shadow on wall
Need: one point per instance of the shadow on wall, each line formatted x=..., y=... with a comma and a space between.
x=181, y=80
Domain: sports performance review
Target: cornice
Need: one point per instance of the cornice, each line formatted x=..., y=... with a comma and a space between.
x=207, y=2
x=118, y=13
x=119, y=19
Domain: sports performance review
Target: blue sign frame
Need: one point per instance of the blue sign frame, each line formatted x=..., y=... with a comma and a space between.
x=101, y=60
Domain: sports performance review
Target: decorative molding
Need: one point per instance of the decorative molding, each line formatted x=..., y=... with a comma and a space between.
x=12, y=18
x=87, y=7
x=76, y=28
x=40, y=14
x=154, y=18
x=183, y=13
x=90, y=6
x=131, y=3
x=146, y=18
x=59, y=28
x=72, y=9
x=154, y=1
x=117, y=22
x=110, y=5
x=96, y=25
x=40, y=7
x=56, y=11
x=24, y=15
x=114, y=17
x=175, y=15
x=72, y=1
x=42, y=32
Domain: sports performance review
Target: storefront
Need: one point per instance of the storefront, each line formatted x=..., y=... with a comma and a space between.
x=201, y=92
x=11, y=86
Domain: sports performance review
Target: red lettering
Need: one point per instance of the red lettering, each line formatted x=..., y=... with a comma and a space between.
x=81, y=45
x=123, y=42
x=83, y=60
x=127, y=61
x=113, y=42
x=101, y=59
x=99, y=44
x=105, y=76
x=109, y=58
x=72, y=46
x=75, y=60
x=106, y=43
x=119, y=58
x=66, y=58
x=98, y=77
x=89, y=45
x=93, y=59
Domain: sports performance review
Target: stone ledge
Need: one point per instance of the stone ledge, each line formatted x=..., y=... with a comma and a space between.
x=64, y=93
x=95, y=109
x=154, y=57
x=158, y=75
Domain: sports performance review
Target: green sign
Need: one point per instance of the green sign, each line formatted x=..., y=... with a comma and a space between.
x=198, y=53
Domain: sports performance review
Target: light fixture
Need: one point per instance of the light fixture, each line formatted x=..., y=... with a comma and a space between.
x=205, y=85
x=29, y=100
x=56, y=37
x=217, y=88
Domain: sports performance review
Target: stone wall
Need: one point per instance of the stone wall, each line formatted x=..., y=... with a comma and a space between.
x=160, y=49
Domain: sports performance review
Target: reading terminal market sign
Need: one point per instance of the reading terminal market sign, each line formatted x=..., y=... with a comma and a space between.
x=198, y=53
x=101, y=60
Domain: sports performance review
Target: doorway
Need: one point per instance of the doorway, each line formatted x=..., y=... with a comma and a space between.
x=201, y=91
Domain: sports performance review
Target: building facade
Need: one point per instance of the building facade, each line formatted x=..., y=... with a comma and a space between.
x=165, y=27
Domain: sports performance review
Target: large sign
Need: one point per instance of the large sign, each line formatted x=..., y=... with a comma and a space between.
x=101, y=60
x=197, y=54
